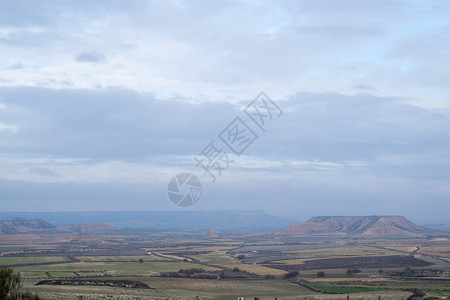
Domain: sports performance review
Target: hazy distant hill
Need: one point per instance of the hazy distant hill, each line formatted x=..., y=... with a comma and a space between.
x=235, y=222
x=25, y=226
x=90, y=228
x=358, y=225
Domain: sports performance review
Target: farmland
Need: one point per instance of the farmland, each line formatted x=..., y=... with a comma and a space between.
x=176, y=266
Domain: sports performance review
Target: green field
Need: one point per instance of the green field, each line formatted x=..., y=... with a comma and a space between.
x=113, y=268
x=147, y=258
x=342, y=289
x=7, y=261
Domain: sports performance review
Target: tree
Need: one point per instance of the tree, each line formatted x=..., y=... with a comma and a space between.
x=380, y=271
x=9, y=283
x=140, y=260
x=29, y=296
x=241, y=256
x=353, y=271
x=321, y=274
x=291, y=274
x=408, y=272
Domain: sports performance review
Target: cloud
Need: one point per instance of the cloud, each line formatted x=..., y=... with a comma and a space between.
x=8, y=127
x=15, y=66
x=44, y=172
x=90, y=57
x=192, y=48
x=152, y=83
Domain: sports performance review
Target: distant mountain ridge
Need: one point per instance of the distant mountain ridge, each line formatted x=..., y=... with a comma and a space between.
x=25, y=226
x=356, y=225
x=225, y=222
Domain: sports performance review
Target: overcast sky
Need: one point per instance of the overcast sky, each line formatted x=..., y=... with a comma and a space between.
x=103, y=102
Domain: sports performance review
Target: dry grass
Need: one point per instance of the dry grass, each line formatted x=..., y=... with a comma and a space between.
x=442, y=251
x=407, y=249
x=179, y=288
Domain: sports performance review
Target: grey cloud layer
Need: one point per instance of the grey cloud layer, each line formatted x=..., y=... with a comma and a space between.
x=117, y=124
x=326, y=148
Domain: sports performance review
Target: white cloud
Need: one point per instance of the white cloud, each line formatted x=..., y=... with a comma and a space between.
x=8, y=127
x=229, y=48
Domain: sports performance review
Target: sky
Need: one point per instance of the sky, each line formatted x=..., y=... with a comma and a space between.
x=102, y=103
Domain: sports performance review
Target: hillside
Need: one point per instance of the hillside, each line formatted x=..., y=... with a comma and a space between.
x=356, y=225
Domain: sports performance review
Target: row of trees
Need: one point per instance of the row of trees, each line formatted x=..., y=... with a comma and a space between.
x=322, y=273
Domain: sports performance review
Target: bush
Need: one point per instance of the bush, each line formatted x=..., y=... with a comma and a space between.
x=236, y=269
x=321, y=274
x=241, y=256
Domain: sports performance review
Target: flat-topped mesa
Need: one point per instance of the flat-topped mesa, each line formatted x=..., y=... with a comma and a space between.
x=356, y=225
